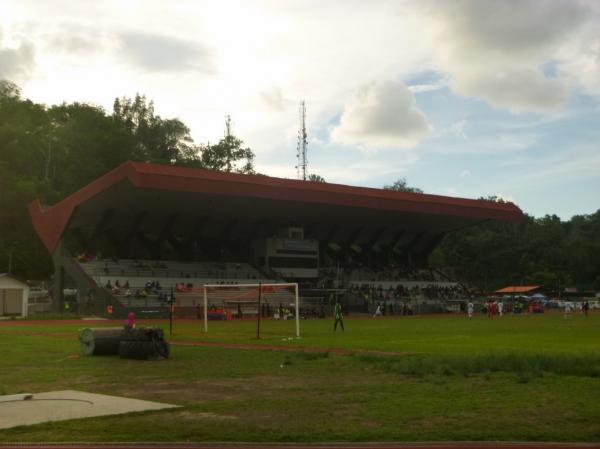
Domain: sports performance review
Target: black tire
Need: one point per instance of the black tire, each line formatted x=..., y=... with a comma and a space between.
x=126, y=348
x=163, y=349
x=142, y=334
x=138, y=350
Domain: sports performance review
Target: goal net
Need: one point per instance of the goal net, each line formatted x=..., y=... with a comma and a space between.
x=259, y=301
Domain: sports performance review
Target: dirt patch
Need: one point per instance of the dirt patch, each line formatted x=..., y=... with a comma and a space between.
x=187, y=415
x=184, y=392
x=255, y=347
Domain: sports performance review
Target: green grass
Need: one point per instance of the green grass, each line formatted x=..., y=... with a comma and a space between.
x=440, y=378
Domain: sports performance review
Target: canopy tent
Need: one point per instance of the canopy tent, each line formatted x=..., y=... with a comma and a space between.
x=539, y=296
x=519, y=290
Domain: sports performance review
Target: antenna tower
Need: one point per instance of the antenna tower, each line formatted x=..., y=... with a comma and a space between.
x=302, y=144
x=228, y=125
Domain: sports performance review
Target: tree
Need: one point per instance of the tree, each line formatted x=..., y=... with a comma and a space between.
x=85, y=144
x=158, y=140
x=316, y=178
x=401, y=186
x=492, y=198
x=228, y=155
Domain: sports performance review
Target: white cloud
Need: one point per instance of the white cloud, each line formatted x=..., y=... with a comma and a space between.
x=456, y=129
x=16, y=63
x=428, y=87
x=505, y=197
x=161, y=53
x=520, y=90
x=465, y=173
x=580, y=62
x=499, y=144
x=493, y=50
x=274, y=99
x=381, y=115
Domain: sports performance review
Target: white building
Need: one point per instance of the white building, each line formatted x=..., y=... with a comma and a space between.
x=13, y=296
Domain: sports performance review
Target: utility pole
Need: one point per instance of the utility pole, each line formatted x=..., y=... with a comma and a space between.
x=228, y=143
x=302, y=144
x=228, y=125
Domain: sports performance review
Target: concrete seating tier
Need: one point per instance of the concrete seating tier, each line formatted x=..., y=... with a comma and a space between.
x=170, y=269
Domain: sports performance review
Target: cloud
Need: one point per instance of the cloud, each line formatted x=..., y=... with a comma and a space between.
x=498, y=144
x=456, y=129
x=506, y=198
x=159, y=53
x=465, y=173
x=496, y=50
x=420, y=88
x=381, y=115
x=520, y=90
x=16, y=63
x=581, y=64
x=274, y=99
x=75, y=38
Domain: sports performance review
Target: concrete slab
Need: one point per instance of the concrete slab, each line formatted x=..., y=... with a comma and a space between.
x=16, y=397
x=68, y=404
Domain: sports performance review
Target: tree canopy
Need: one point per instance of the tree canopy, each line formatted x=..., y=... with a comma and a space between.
x=316, y=178
x=228, y=154
x=401, y=186
x=542, y=251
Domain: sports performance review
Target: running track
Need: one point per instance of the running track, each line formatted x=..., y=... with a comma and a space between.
x=468, y=445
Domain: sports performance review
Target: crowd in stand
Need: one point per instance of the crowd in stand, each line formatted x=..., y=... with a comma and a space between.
x=443, y=292
x=150, y=288
x=378, y=293
x=393, y=274
x=429, y=291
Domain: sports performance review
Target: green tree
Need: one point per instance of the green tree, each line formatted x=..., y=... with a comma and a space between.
x=229, y=154
x=316, y=178
x=158, y=140
x=401, y=186
x=85, y=143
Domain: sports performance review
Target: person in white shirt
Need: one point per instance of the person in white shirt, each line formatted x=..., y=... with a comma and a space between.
x=568, y=309
x=377, y=311
x=470, y=308
x=500, y=308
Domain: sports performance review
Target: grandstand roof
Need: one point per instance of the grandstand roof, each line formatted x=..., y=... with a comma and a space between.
x=188, y=196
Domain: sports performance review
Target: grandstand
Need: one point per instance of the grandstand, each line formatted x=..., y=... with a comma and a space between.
x=144, y=225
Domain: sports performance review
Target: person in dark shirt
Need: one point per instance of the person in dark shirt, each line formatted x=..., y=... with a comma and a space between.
x=338, y=316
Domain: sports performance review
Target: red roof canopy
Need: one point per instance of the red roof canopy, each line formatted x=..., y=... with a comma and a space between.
x=164, y=186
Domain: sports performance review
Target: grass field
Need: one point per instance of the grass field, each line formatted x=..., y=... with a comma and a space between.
x=424, y=378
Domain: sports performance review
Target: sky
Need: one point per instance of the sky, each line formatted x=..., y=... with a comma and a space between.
x=465, y=98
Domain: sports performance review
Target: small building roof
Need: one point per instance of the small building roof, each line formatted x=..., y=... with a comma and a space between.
x=519, y=289
x=10, y=280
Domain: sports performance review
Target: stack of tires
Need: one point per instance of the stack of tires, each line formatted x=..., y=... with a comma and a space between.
x=146, y=343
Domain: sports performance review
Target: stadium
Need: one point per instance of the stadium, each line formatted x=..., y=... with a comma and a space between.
x=179, y=229
x=190, y=256
x=268, y=262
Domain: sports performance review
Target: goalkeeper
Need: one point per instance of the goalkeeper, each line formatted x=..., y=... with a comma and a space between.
x=337, y=314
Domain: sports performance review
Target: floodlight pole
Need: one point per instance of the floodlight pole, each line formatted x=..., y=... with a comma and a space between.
x=205, y=311
x=258, y=321
x=171, y=302
x=297, y=314
x=10, y=254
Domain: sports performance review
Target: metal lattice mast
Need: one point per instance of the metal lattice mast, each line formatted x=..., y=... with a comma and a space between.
x=302, y=144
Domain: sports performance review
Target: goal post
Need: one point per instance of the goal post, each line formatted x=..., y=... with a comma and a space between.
x=230, y=298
